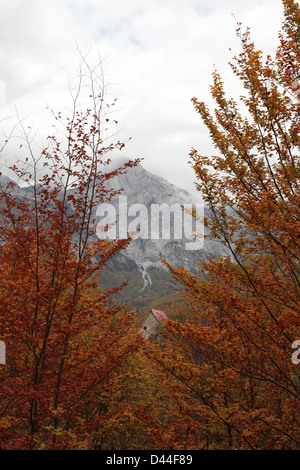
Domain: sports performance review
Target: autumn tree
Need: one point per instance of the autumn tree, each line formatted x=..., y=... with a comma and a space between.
x=67, y=342
x=237, y=346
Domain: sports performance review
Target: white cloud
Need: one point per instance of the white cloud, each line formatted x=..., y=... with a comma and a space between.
x=159, y=53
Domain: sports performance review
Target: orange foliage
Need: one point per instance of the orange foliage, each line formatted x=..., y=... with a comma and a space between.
x=237, y=346
x=65, y=339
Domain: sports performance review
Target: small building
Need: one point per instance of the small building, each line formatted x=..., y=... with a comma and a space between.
x=152, y=322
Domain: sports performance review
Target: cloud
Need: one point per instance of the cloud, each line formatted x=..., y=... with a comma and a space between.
x=159, y=53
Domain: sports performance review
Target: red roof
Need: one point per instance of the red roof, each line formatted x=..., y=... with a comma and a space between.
x=159, y=315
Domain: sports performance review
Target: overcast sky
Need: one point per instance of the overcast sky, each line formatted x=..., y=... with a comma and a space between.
x=158, y=55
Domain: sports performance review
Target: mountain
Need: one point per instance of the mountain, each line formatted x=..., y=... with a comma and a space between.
x=140, y=264
x=153, y=205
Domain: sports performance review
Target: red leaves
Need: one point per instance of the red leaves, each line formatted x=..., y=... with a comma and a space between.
x=62, y=346
x=236, y=348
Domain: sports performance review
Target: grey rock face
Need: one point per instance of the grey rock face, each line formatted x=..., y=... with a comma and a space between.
x=143, y=188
